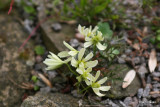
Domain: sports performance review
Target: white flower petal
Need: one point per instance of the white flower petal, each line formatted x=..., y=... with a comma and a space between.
x=91, y=64
x=73, y=53
x=87, y=44
x=74, y=63
x=100, y=46
x=54, y=56
x=67, y=60
x=102, y=80
x=79, y=71
x=97, y=75
x=88, y=57
x=81, y=53
x=96, y=90
x=88, y=82
x=63, y=54
x=105, y=88
x=88, y=39
x=89, y=70
x=68, y=46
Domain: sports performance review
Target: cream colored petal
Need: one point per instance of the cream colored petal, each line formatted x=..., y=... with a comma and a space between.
x=74, y=63
x=68, y=46
x=55, y=56
x=81, y=53
x=100, y=46
x=96, y=91
x=91, y=64
x=88, y=39
x=102, y=80
x=87, y=44
x=105, y=88
x=73, y=53
x=63, y=54
x=88, y=57
x=97, y=75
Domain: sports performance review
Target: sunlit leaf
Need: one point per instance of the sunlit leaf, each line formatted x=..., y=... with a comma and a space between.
x=129, y=78
x=152, y=63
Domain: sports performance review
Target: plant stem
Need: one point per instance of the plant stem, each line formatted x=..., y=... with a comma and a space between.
x=94, y=50
x=71, y=70
x=85, y=89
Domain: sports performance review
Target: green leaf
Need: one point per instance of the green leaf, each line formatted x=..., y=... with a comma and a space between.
x=101, y=7
x=36, y=88
x=116, y=52
x=158, y=45
x=153, y=40
x=39, y=50
x=105, y=29
x=29, y=9
x=34, y=79
x=158, y=37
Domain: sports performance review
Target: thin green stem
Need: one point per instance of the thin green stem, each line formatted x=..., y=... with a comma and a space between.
x=94, y=50
x=71, y=70
x=85, y=89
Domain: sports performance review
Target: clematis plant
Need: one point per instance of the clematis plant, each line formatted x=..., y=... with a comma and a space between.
x=82, y=63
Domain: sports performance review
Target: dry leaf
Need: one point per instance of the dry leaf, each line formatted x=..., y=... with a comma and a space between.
x=45, y=80
x=129, y=78
x=152, y=63
x=136, y=46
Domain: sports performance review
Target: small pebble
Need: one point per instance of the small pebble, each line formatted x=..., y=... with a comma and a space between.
x=79, y=36
x=121, y=60
x=127, y=101
x=140, y=92
x=156, y=74
x=146, y=90
x=45, y=89
x=74, y=43
x=39, y=59
x=136, y=60
x=51, y=74
x=40, y=84
x=56, y=27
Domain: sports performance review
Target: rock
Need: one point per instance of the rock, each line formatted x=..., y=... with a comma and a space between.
x=52, y=39
x=50, y=100
x=13, y=68
x=127, y=101
x=45, y=89
x=39, y=59
x=121, y=60
x=156, y=74
x=146, y=90
x=74, y=43
x=56, y=27
x=116, y=90
x=140, y=93
x=136, y=60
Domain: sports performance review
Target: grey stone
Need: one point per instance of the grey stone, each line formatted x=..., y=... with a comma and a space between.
x=156, y=74
x=136, y=60
x=50, y=100
x=142, y=71
x=127, y=101
x=116, y=90
x=140, y=93
x=74, y=43
x=52, y=39
x=39, y=59
x=40, y=83
x=121, y=60
x=149, y=80
x=56, y=26
x=45, y=89
x=13, y=68
x=146, y=90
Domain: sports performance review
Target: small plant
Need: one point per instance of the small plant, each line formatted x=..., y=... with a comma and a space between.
x=39, y=50
x=156, y=40
x=84, y=61
x=86, y=11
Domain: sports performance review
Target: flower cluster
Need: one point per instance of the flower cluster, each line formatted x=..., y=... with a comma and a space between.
x=92, y=37
x=82, y=63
